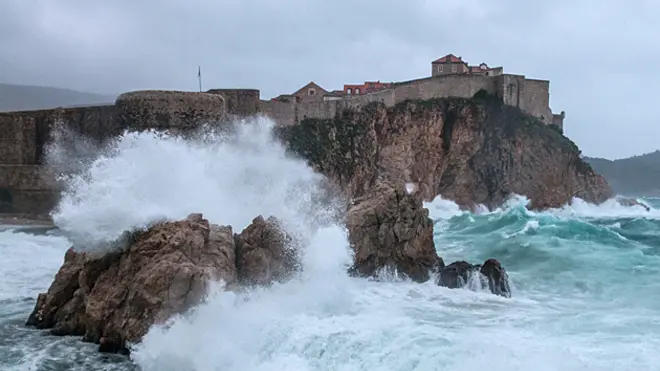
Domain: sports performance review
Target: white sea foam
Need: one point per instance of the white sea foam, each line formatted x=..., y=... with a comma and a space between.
x=144, y=177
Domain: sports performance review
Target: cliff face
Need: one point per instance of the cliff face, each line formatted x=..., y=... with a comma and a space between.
x=468, y=150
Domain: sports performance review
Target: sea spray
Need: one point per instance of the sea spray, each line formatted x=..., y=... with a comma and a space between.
x=139, y=178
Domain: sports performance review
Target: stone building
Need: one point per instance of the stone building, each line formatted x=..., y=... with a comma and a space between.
x=366, y=88
x=312, y=92
x=453, y=65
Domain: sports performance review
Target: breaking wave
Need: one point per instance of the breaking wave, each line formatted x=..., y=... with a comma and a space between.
x=230, y=176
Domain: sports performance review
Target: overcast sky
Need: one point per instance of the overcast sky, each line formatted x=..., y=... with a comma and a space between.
x=600, y=56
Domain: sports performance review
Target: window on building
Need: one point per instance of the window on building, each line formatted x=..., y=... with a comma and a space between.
x=357, y=91
x=440, y=68
x=453, y=68
x=311, y=92
x=349, y=91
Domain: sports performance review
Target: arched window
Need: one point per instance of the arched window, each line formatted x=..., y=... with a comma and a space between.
x=357, y=91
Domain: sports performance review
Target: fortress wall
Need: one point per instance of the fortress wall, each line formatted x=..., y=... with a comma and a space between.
x=558, y=120
x=242, y=102
x=535, y=99
x=282, y=113
x=442, y=86
x=26, y=177
x=168, y=109
x=23, y=135
x=26, y=189
x=510, y=88
x=322, y=109
x=463, y=86
x=17, y=137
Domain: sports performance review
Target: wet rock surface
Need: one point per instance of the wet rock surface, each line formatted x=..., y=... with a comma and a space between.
x=265, y=253
x=490, y=275
x=113, y=298
x=390, y=230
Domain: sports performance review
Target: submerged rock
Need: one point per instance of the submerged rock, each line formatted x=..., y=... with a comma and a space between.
x=113, y=299
x=265, y=253
x=389, y=229
x=490, y=275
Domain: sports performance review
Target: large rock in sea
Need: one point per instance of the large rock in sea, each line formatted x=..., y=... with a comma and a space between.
x=389, y=229
x=114, y=298
x=471, y=151
x=488, y=276
x=265, y=253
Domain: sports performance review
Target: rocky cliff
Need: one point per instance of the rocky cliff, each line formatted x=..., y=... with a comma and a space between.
x=472, y=151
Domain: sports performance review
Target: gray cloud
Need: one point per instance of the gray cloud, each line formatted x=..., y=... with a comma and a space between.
x=600, y=59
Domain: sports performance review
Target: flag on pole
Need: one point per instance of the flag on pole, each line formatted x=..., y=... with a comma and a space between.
x=199, y=77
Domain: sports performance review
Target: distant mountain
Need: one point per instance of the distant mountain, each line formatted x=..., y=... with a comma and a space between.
x=633, y=176
x=24, y=98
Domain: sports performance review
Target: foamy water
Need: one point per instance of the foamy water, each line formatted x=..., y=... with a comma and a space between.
x=585, y=277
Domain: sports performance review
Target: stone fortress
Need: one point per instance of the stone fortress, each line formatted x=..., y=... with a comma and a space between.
x=450, y=77
x=27, y=188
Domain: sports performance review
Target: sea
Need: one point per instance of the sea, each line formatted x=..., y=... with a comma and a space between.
x=585, y=278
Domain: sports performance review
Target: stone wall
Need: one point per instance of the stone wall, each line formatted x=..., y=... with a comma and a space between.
x=23, y=135
x=26, y=187
x=535, y=99
x=168, y=109
x=242, y=102
x=426, y=88
x=558, y=120
x=283, y=113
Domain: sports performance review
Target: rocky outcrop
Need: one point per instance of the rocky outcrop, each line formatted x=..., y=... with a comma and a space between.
x=113, y=298
x=389, y=230
x=472, y=151
x=488, y=276
x=265, y=253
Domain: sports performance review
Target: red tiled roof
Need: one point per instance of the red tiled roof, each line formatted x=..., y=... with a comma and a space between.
x=449, y=58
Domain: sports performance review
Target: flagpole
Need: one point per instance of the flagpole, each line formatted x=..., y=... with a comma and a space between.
x=199, y=77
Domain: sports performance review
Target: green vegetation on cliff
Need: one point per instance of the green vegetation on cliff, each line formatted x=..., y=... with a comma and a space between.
x=633, y=176
x=337, y=146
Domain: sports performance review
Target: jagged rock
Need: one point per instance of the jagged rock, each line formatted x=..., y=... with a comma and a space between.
x=471, y=151
x=491, y=275
x=114, y=298
x=265, y=253
x=498, y=279
x=390, y=229
x=456, y=274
